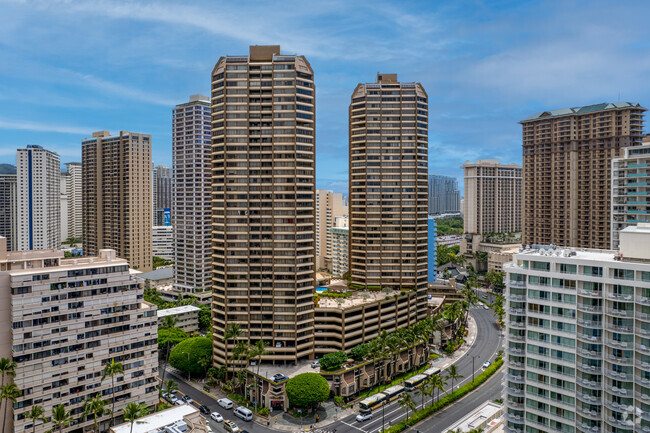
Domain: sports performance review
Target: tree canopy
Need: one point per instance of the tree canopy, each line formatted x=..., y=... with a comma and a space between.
x=307, y=390
x=452, y=225
x=177, y=336
x=186, y=355
x=447, y=254
x=334, y=360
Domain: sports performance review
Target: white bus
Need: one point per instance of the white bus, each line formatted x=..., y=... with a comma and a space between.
x=414, y=382
x=367, y=405
x=393, y=393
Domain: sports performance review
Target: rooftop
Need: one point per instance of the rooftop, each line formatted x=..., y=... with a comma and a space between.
x=357, y=298
x=158, y=274
x=154, y=422
x=583, y=110
x=177, y=310
x=566, y=252
x=484, y=417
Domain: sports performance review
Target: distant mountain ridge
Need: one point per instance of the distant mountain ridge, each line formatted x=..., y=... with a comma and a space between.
x=7, y=169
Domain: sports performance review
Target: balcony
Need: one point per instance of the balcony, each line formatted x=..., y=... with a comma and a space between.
x=586, y=368
x=513, y=351
x=516, y=284
x=620, y=392
x=585, y=428
x=589, y=399
x=589, y=338
x=519, y=325
x=591, y=384
x=516, y=379
x=514, y=391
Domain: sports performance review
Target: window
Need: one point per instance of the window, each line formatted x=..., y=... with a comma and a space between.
x=624, y=274
x=540, y=266
x=593, y=271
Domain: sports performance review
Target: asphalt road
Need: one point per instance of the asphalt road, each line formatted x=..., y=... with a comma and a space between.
x=487, y=344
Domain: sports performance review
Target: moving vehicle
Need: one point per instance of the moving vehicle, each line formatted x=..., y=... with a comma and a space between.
x=279, y=377
x=485, y=307
x=431, y=371
x=315, y=364
x=244, y=413
x=393, y=392
x=204, y=409
x=364, y=417
x=231, y=427
x=216, y=416
x=486, y=364
x=367, y=405
x=225, y=403
x=415, y=382
x=186, y=399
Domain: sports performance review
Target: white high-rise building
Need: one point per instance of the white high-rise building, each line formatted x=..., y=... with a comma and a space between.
x=578, y=338
x=191, y=198
x=74, y=193
x=38, y=195
x=64, y=201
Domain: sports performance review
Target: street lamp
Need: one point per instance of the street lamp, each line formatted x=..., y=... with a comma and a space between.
x=474, y=356
x=382, y=416
x=188, y=366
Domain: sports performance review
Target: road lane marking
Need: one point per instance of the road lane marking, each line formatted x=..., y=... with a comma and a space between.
x=353, y=426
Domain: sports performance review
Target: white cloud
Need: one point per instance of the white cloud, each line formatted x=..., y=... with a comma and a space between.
x=26, y=125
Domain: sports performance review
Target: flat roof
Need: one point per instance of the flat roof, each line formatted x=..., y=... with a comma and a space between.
x=158, y=274
x=177, y=310
x=155, y=421
x=487, y=411
x=566, y=252
x=359, y=297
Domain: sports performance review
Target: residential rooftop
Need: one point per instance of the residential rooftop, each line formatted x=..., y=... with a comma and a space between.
x=156, y=421
x=158, y=274
x=177, y=310
x=359, y=297
x=582, y=110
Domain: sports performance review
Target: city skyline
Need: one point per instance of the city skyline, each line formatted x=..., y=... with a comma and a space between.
x=481, y=86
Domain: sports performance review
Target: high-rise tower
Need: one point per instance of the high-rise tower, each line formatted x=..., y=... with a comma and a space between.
x=8, y=221
x=388, y=186
x=117, y=196
x=73, y=191
x=263, y=202
x=38, y=199
x=191, y=199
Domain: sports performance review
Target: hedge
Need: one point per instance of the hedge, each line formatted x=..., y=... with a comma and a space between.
x=447, y=399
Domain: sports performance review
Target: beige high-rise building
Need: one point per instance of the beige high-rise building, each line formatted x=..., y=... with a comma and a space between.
x=116, y=172
x=263, y=202
x=389, y=186
x=329, y=205
x=567, y=156
x=63, y=320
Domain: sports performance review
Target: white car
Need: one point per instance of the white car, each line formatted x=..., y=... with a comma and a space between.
x=225, y=403
x=486, y=364
x=364, y=417
x=485, y=307
x=315, y=364
x=216, y=416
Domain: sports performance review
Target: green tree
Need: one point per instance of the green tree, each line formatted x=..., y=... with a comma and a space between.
x=495, y=279
x=61, y=417
x=204, y=363
x=307, y=390
x=112, y=369
x=359, y=352
x=7, y=369
x=133, y=411
x=452, y=373
x=406, y=401
x=205, y=318
x=334, y=360
x=172, y=338
x=8, y=393
x=259, y=349
x=97, y=407
x=159, y=261
x=186, y=354
x=232, y=332
x=168, y=324
x=422, y=392
x=36, y=413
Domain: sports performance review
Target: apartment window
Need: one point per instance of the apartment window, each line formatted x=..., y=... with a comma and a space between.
x=593, y=271
x=540, y=266
x=624, y=274
x=567, y=268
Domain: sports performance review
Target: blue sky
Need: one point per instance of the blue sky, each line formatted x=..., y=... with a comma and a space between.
x=68, y=68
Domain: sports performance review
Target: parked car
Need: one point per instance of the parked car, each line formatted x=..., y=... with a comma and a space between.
x=315, y=364
x=279, y=377
x=485, y=307
x=486, y=364
x=225, y=403
x=244, y=413
x=231, y=427
x=178, y=402
x=364, y=417
x=204, y=409
x=216, y=416
x=186, y=399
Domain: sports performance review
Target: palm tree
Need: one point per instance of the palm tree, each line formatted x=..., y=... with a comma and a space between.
x=133, y=411
x=452, y=373
x=233, y=332
x=406, y=401
x=428, y=388
x=170, y=387
x=256, y=351
x=36, y=414
x=421, y=391
x=61, y=417
x=96, y=406
x=204, y=363
x=112, y=369
x=7, y=368
x=168, y=323
x=8, y=393
x=437, y=384
x=440, y=386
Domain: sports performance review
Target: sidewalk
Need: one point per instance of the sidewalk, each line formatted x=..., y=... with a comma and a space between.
x=444, y=362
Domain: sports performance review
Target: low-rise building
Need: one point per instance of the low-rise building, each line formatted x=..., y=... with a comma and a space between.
x=185, y=419
x=64, y=320
x=449, y=240
x=161, y=278
x=187, y=317
x=163, y=242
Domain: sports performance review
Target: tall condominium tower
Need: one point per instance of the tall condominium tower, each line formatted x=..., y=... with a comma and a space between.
x=8, y=220
x=63, y=201
x=73, y=191
x=567, y=171
x=162, y=187
x=630, y=178
x=116, y=172
x=191, y=199
x=38, y=195
x=388, y=186
x=444, y=196
x=63, y=320
x=329, y=205
x=578, y=338
x=263, y=209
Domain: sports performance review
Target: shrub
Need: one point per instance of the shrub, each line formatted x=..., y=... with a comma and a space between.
x=338, y=400
x=185, y=356
x=359, y=352
x=264, y=411
x=333, y=361
x=307, y=390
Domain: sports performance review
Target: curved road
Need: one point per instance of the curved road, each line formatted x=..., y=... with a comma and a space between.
x=487, y=344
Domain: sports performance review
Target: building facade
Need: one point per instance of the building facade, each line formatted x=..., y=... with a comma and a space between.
x=74, y=193
x=389, y=186
x=444, y=197
x=340, y=246
x=567, y=156
x=263, y=202
x=38, y=199
x=187, y=317
x=432, y=251
x=329, y=205
x=162, y=187
x=63, y=203
x=64, y=320
x=8, y=210
x=191, y=198
x=116, y=174
x=578, y=338
x=162, y=240
x=629, y=189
